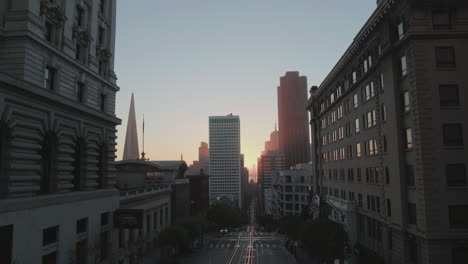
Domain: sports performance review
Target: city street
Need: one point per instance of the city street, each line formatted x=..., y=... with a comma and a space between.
x=246, y=246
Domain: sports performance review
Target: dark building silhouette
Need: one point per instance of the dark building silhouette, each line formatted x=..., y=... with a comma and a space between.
x=199, y=194
x=292, y=117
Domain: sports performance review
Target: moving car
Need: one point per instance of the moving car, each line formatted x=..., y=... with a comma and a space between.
x=223, y=230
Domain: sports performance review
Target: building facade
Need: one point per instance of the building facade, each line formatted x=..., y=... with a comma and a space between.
x=225, y=158
x=294, y=140
x=291, y=189
x=389, y=132
x=269, y=163
x=57, y=131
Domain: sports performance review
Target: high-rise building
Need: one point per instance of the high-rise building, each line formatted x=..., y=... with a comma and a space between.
x=203, y=156
x=294, y=140
x=273, y=143
x=57, y=131
x=131, y=151
x=389, y=133
x=268, y=164
x=225, y=158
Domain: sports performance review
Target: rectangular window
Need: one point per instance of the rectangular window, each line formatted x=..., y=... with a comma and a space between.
x=389, y=208
x=49, y=78
x=455, y=174
x=102, y=102
x=409, y=170
x=359, y=176
x=104, y=219
x=383, y=113
x=80, y=91
x=82, y=226
x=358, y=150
x=401, y=30
x=441, y=20
x=445, y=57
x=406, y=102
x=403, y=66
x=101, y=36
x=78, y=52
x=381, y=81
x=102, y=5
x=408, y=138
x=48, y=28
x=49, y=235
x=368, y=93
x=355, y=100
x=449, y=95
x=354, y=77
x=412, y=214
x=50, y=258
x=78, y=16
x=458, y=216
x=6, y=243
x=356, y=125
x=453, y=135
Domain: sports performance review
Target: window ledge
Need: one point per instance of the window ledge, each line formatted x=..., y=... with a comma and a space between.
x=457, y=188
x=454, y=147
x=446, y=68
x=450, y=107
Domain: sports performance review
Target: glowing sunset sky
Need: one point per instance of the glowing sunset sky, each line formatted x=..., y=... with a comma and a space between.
x=189, y=59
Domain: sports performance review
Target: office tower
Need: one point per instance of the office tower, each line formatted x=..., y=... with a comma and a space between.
x=225, y=163
x=131, y=151
x=57, y=131
x=294, y=140
x=389, y=133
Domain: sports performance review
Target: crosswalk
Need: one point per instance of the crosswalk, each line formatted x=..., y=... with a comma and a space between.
x=231, y=245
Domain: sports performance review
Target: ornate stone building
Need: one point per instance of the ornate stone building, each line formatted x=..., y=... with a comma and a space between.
x=57, y=130
x=389, y=132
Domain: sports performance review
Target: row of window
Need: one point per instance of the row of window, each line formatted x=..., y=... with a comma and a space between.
x=50, y=241
x=51, y=83
x=48, y=180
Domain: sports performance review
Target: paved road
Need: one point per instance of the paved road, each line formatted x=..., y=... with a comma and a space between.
x=244, y=247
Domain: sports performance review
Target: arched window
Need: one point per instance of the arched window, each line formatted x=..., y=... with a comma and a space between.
x=102, y=165
x=4, y=154
x=48, y=173
x=79, y=164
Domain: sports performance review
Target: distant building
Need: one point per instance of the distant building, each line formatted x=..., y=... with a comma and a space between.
x=57, y=131
x=291, y=189
x=244, y=183
x=159, y=173
x=294, y=140
x=273, y=143
x=199, y=194
x=268, y=164
x=203, y=156
x=390, y=129
x=225, y=163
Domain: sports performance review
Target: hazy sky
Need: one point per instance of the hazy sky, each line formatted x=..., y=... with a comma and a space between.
x=188, y=59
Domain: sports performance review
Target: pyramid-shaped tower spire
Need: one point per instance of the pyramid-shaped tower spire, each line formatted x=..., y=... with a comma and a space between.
x=131, y=151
